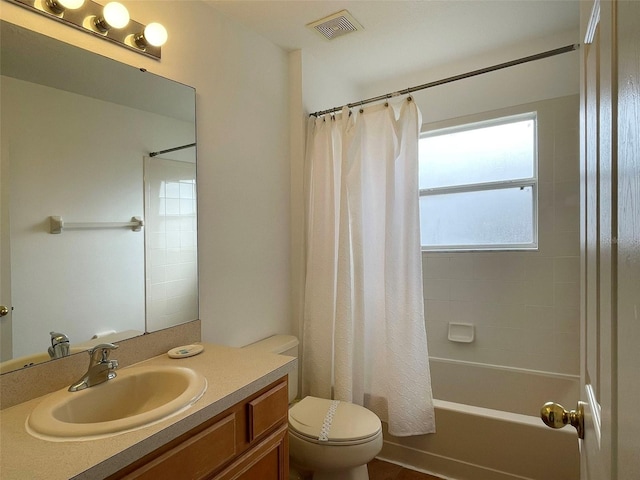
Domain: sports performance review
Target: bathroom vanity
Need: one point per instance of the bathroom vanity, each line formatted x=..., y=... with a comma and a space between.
x=237, y=430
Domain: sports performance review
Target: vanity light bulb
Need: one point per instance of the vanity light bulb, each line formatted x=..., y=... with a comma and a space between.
x=116, y=15
x=155, y=34
x=59, y=6
x=71, y=4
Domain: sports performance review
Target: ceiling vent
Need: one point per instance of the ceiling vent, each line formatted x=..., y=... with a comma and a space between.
x=336, y=25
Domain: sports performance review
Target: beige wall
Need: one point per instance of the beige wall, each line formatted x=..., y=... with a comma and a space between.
x=312, y=88
x=243, y=157
x=552, y=77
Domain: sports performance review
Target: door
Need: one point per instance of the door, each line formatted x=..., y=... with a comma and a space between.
x=610, y=240
x=6, y=335
x=597, y=249
x=608, y=413
x=626, y=420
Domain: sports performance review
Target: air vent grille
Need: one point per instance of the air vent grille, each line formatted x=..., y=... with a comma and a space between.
x=336, y=25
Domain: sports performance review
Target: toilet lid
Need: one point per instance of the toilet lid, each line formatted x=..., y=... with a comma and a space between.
x=332, y=421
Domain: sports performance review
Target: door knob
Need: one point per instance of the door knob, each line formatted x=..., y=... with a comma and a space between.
x=555, y=416
x=3, y=310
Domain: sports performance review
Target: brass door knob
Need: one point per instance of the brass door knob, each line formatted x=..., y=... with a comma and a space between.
x=3, y=311
x=554, y=415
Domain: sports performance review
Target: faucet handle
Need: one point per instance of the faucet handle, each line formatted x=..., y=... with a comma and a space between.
x=57, y=338
x=104, y=349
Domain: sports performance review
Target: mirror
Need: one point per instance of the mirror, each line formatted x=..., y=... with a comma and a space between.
x=77, y=133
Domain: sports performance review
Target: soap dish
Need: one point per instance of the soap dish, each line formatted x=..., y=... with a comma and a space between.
x=185, y=351
x=461, y=332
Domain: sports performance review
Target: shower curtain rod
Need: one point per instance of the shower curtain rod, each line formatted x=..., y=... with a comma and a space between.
x=530, y=58
x=154, y=154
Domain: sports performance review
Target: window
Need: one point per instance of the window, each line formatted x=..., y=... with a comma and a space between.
x=478, y=185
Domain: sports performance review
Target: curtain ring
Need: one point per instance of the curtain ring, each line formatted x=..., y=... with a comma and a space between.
x=361, y=109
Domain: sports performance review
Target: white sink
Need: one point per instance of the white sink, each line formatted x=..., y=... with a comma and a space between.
x=136, y=398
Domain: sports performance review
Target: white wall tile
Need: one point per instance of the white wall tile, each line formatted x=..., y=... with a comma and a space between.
x=524, y=305
x=498, y=265
x=566, y=147
x=566, y=269
x=566, y=318
x=464, y=312
x=172, y=278
x=545, y=146
x=469, y=290
x=504, y=314
x=436, y=267
x=461, y=266
x=506, y=291
x=567, y=206
x=566, y=294
x=436, y=288
x=567, y=244
x=539, y=318
x=566, y=167
x=437, y=311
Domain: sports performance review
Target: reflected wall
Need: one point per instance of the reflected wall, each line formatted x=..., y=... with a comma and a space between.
x=76, y=128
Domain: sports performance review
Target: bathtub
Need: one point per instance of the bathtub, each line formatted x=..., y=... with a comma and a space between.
x=489, y=428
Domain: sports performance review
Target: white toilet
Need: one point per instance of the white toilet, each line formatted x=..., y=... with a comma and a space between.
x=328, y=440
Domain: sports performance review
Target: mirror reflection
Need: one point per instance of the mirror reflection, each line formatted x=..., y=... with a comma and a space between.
x=77, y=133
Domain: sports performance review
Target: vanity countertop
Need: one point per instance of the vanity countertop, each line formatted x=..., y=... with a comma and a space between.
x=232, y=375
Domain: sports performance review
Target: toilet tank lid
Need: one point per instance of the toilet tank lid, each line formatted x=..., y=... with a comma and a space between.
x=275, y=344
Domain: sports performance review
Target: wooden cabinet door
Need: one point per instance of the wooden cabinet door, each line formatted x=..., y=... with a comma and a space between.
x=268, y=460
x=194, y=458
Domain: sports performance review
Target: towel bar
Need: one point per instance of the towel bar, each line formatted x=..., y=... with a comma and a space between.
x=57, y=224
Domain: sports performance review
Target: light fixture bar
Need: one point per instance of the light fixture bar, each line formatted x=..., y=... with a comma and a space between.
x=82, y=18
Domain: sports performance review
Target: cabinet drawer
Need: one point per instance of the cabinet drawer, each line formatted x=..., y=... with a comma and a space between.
x=268, y=410
x=196, y=457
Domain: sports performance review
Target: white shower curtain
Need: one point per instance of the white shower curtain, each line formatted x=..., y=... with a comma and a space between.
x=364, y=332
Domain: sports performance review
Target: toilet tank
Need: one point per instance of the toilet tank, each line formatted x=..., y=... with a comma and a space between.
x=283, y=345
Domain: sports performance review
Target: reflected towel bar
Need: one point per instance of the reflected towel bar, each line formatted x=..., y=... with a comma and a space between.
x=57, y=224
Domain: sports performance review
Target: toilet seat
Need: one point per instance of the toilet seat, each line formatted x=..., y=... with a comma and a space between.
x=325, y=422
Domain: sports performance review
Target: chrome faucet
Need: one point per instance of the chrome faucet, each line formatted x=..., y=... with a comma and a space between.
x=59, y=345
x=100, y=369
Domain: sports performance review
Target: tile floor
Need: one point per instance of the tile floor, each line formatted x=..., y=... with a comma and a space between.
x=379, y=470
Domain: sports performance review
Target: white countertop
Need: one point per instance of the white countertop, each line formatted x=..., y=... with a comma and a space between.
x=232, y=375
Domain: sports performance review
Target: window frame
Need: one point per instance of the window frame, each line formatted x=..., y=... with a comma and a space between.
x=532, y=182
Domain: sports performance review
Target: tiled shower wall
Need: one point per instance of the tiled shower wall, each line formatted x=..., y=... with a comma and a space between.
x=171, y=242
x=524, y=304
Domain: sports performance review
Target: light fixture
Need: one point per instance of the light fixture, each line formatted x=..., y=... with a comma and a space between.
x=110, y=22
x=154, y=34
x=114, y=15
x=59, y=6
